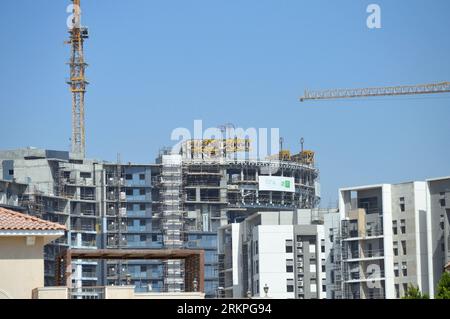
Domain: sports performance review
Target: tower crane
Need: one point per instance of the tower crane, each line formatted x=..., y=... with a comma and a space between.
x=442, y=87
x=77, y=81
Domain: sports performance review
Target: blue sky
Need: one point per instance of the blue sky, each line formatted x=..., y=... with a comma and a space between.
x=158, y=65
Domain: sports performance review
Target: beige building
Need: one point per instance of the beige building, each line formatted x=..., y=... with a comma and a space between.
x=22, y=240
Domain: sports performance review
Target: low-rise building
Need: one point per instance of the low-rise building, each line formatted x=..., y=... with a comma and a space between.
x=22, y=240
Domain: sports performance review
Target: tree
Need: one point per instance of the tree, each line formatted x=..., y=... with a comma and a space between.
x=443, y=288
x=413, y=292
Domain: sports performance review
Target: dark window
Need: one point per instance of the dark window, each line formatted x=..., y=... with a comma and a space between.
x=397, y=291
x=289, y=246
x=290, y=288
x=143, y=268
x=154, y=238
x=11, y=172
x=289, y=268
x=141, y=206
x=324, y=288
x=323, y=268
x=402, y=207
x=404, y=247
x=129, y=206
x=404, y=269
x=441, y=201
x=142, y=191
x=129, y=192
x=322, y=248
x=142, y=222
x=142, y=177
x=85, y=175
x=128, y=176
x=143, y=238
x=403, y=226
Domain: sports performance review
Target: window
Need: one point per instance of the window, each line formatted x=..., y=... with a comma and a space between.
x=442, y=222
x=256, y=247
x=129, y=192
x=323, y=268
x=396, y=269
x=143, y=268
x=142, y=191
x=404, y=247
x=143, y=238
x=395, y=248
x=257, y=266
x=397, y=291
x=289, y=265
x=402, y=207
x=142, y=222
x=324, y=288
x=128, y=177
x=154, y=238
x=11, y=172
x=322, y=248
x=289, y=246
x=290, y=285
x=441, y=200
x=130, y=207
x=332, y=276
x=405, y=288
x=142, y=207
x=142, y=177
x=403, y=226
x=404, y=269
x=85, y=175
x=394, y=227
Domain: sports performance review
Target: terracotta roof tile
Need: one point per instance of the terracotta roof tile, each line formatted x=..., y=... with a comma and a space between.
x=12, y=220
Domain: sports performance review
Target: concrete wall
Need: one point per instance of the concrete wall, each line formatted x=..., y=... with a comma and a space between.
x=51, y=293
x=21, y=266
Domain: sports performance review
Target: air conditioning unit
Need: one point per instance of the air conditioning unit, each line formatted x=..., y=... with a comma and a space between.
x=300, y=264
x=300, y=283
x=300, y=244
x=404, y=266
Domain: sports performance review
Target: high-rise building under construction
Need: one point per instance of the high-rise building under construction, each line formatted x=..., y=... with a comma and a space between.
x=178, y=202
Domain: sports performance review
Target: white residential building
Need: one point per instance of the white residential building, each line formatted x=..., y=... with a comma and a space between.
x=273, y=249
x=383, y=239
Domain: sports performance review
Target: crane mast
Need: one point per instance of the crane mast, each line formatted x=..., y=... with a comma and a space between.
x=77, y=80
x=443, y=87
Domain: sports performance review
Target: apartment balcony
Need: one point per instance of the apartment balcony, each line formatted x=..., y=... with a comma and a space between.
x=362, y=235
x=354, y=277
x=88, y=275
x=363, y=255
x=86, y=228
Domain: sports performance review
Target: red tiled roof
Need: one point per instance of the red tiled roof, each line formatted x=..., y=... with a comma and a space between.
x=12, y=220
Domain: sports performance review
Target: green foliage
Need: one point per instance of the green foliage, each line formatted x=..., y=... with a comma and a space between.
x=443, y=288
x=413, y=292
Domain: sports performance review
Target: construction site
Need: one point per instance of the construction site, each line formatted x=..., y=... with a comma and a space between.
x=178, y=201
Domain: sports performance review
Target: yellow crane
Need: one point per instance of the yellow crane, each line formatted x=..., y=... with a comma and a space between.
x=331, y=94
x=77, y=81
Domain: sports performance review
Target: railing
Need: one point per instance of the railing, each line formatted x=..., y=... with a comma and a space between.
x=363, y=275
x=90, y=227
x=89, y=274
x=87, y=293
x=363, y=254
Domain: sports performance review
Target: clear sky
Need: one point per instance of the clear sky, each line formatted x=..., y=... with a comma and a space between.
x=158, y=65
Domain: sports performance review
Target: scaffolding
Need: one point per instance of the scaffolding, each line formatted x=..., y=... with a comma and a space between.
x=172, y=219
